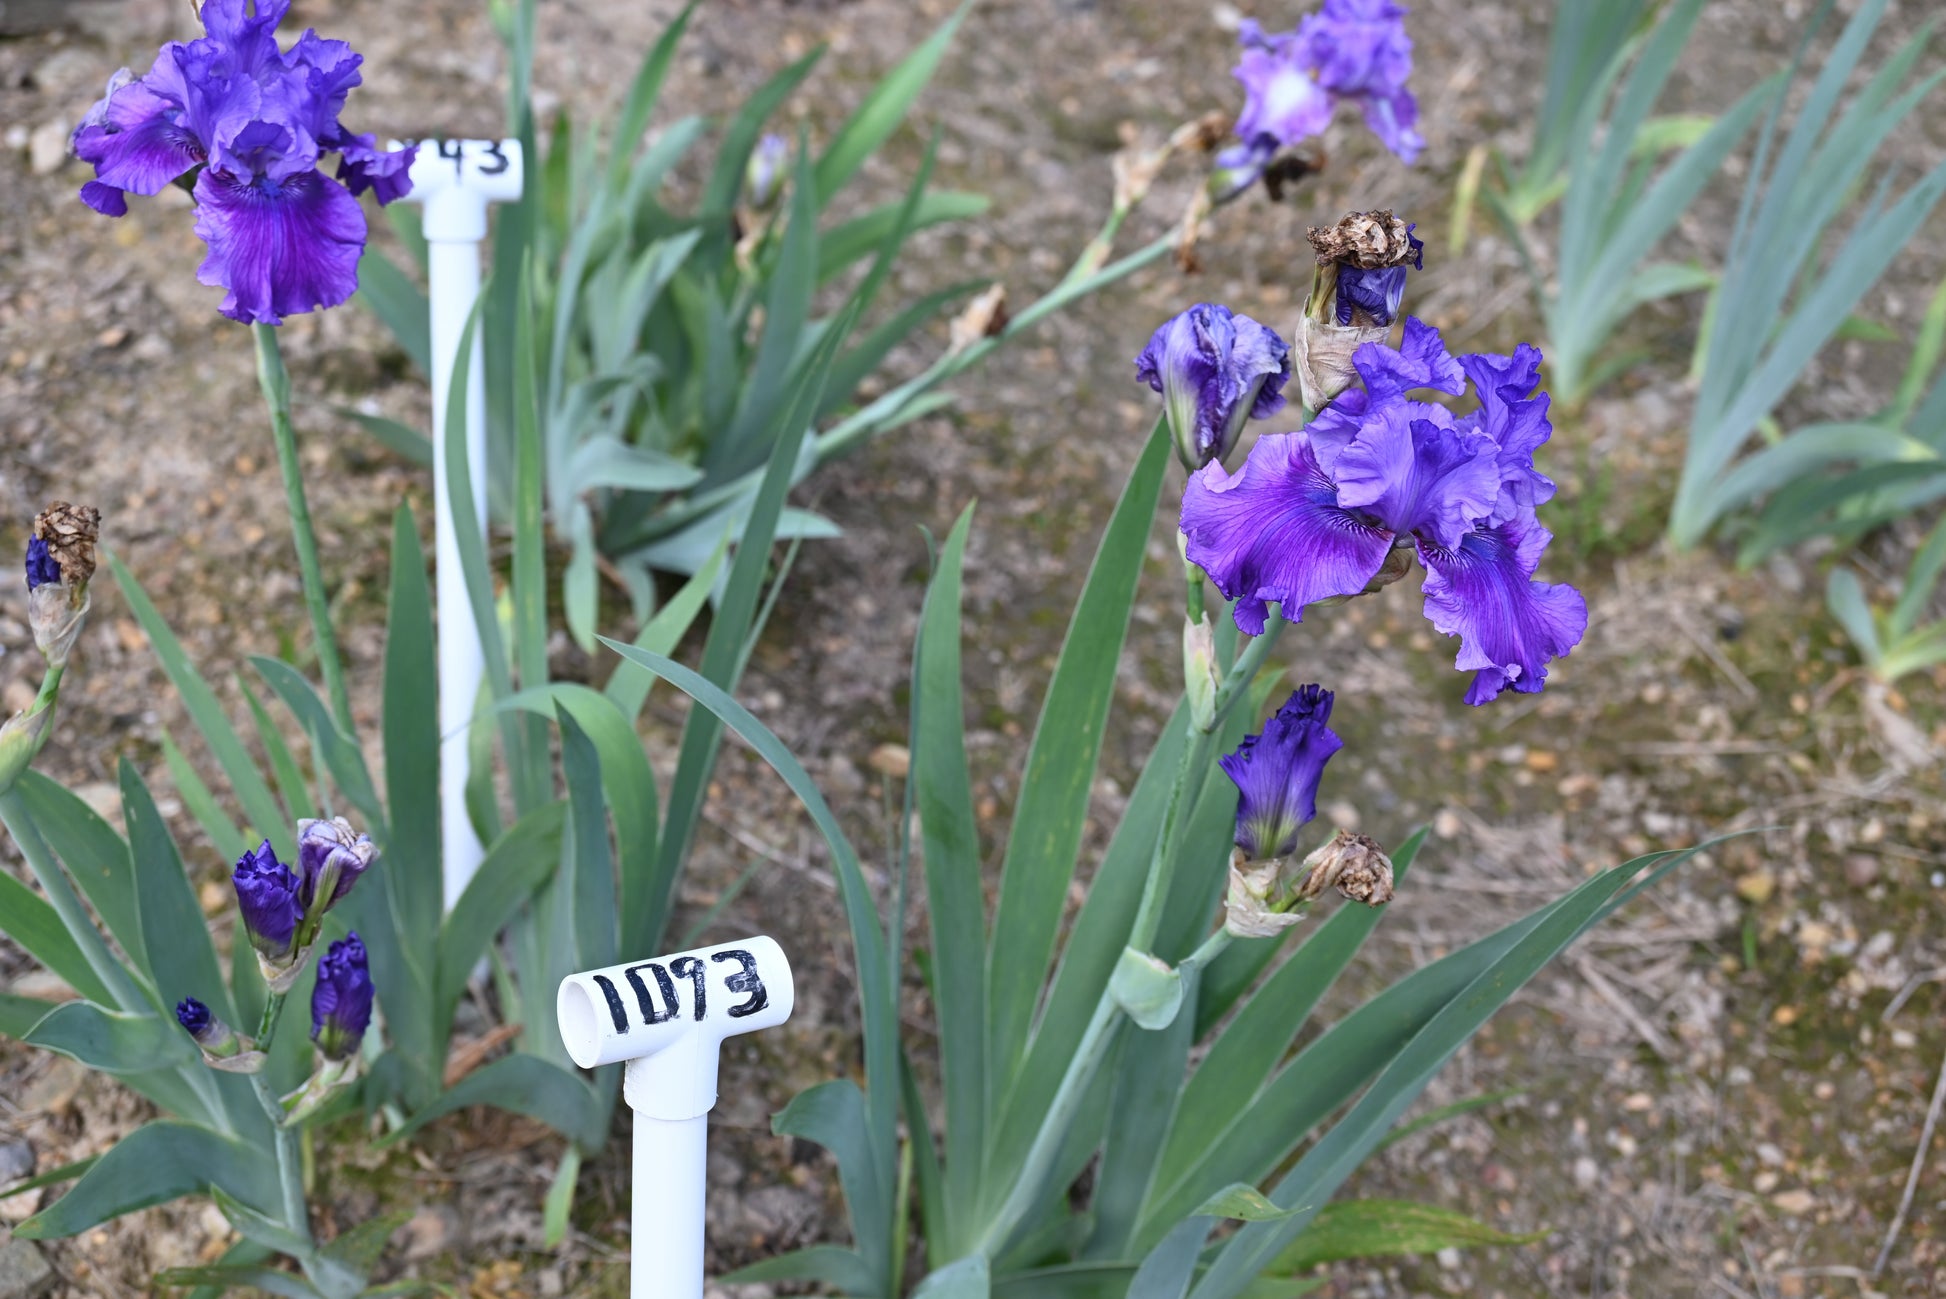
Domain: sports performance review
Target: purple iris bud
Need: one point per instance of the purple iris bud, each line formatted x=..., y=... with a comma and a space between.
x=41, y=568
x=763, y=175
x=211, y=1033
x=1375, y=294
x=1214, y=369
x=330, y=858
x=247, y=124
x=266, y=895
x=1319, y=514
x=341, y=1003
x=1354, y=50
x=1277, y=772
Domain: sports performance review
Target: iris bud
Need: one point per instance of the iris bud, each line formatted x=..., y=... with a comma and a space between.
x=1356, y=293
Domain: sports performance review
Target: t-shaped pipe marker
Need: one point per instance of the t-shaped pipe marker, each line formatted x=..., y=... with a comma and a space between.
x=667, y=1019
x=455, y=180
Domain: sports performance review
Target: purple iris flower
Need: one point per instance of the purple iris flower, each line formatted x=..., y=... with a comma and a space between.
x=1277, y=772
x=1350, y=50
x=341, y=1003
x=251, y=123
x=266, y=895
x=1214, y=369
x=1317, y=514
x=330, y=853
x=41, y=568
x=1378, y=294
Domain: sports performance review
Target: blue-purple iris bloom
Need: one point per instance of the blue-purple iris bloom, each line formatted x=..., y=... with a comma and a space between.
x=1277, y=772
x=1316, y=514
x=1378, y=294
x=1214, y=369
x=330, y=851
x=267, y=897
x=1353, y=50
x=251, y=122
x=41, y=568
x=341, y=1003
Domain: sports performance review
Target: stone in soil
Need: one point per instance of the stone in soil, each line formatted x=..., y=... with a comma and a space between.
x=24, y=1274
x=16, y=1159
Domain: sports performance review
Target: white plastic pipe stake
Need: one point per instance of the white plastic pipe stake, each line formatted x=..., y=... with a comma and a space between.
x=455, y=180
x=667, y=1018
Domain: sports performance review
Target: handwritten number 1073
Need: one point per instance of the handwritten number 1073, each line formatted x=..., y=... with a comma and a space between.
x=656, y=996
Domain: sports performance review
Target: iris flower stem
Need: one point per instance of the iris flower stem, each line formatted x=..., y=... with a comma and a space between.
x=1039, y=1164
x=267, y=1022
x=276, y=384
x=1099, y=1036
x=290, y=1158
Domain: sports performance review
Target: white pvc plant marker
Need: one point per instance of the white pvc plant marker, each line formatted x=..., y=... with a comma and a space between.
x=455, y=180
x=667, y=1018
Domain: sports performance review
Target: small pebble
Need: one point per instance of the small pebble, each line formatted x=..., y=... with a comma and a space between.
x=16, y=1159
x=47, y=147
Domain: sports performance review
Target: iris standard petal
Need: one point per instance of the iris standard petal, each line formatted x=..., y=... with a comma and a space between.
x=279, y=247
x=1509, y=625
x=1274, y=531
x=1282, y=98
x=1413, y=475
x=1514, y=420
x=1419, y=361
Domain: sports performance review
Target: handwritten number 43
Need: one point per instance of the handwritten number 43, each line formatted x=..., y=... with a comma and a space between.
x=455, y=151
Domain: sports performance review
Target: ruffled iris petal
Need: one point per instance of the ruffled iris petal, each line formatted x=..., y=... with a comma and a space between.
x=1509, y=625
x=139, y=145
x=1419, y=361
x=1274, y=532
x=280, y=248
x=1514, y=420
x=1282, y=98
x=1415, y=476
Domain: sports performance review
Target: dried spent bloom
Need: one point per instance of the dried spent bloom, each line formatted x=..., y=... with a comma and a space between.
x=211, y=1034
x=763, y=175
x=1316, y=514
x=341, y=1002
x=984, y=317
x=1356, y=293
x=267, y=898
x=71, y=533
x=1354, y=50
x=246, y=124
x=1277, y=770
x=1367, y=254
x=330, y=858
x=1214, y=369
x=60, y=561
x=1354, y=864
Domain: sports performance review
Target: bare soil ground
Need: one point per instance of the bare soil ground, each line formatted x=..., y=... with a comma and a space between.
x=1718, y=1094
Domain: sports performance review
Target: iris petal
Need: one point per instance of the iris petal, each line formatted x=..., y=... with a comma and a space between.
x=280, y=248
x=1274, y=531
x=1509, y=625
x=1415, y=476
x=1277, y=770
